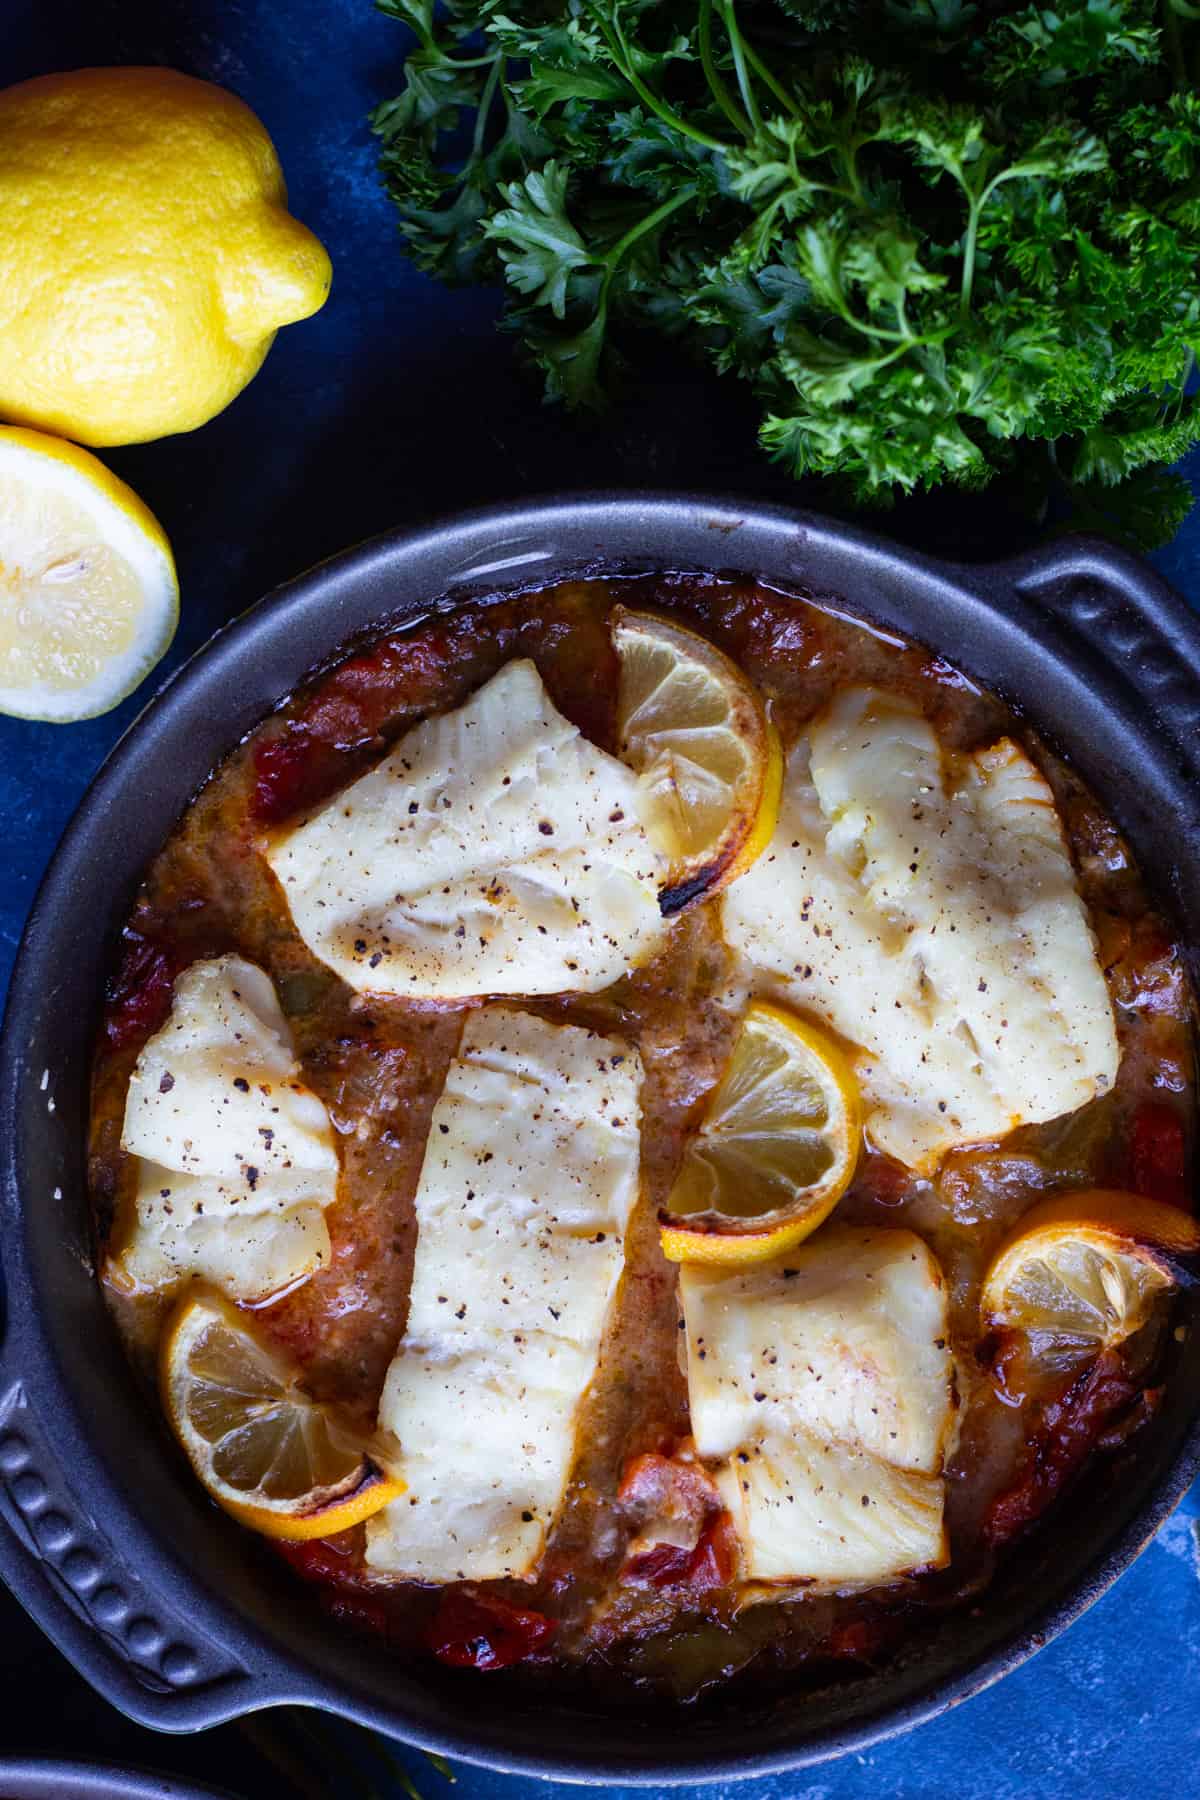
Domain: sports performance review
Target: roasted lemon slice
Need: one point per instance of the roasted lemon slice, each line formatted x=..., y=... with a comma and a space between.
x=1083, y=1272
x=776, y=1150
x=263, y=1448
x=708, y=761
x=88, y=594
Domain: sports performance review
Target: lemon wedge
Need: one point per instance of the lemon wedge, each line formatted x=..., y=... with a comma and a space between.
x=262, y=1447
x=1084, y=1271
x=708, y=761
x=775, y=1151
x=88, y=594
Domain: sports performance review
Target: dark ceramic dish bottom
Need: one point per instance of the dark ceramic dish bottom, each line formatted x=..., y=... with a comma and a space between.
x=171, y=1611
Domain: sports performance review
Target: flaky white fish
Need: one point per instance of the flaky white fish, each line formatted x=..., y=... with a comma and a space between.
x=824, y=1383
x=495, y=850
x=925, y=906
x=236, y=1157
x=529, y=1178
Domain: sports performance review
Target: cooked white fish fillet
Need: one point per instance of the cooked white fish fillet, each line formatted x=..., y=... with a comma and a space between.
x=1056, y=944
x=846, y=1335
x=824, y=1382
x=493, y=851
x=926, y=908
x=237, y=1159
x=487, y=1426
x=529, y=1178
x=812, y=1512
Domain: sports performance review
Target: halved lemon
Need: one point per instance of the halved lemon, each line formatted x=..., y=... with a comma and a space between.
x=263, y=1448
x=709, y=762
x=89, y=598
x=1083, y=1271
x=776, y=1150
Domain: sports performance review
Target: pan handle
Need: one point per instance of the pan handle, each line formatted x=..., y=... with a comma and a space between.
x=1118, y=606
x=115, y=1614
x=1123, y=611
x=137, y=1652
x=78, y=1548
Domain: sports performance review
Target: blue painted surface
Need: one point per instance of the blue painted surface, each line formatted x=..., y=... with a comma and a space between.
x=395, y=403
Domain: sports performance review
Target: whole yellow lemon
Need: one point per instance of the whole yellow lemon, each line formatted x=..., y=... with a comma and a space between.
x=147, y=257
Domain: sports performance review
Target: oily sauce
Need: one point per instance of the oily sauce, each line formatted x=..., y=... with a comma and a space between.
x=379, y=1063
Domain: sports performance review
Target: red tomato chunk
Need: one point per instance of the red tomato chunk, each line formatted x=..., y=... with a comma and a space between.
x=285, y=775
x=676, y=1497
x=139, y=995
x=482, y=1631
x=710, y=1563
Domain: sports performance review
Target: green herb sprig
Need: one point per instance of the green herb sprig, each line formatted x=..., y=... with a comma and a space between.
x=942, y=240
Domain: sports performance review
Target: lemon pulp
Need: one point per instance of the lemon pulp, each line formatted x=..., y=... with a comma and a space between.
x=709, y=765
x=776, y=1149
x=261, y=1445
x=1084, y=1272
x=88, y=593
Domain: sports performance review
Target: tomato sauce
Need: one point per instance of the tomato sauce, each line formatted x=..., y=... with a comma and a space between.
x=619, y=1614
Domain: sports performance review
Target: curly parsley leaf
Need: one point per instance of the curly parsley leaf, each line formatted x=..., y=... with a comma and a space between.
x=984, y=236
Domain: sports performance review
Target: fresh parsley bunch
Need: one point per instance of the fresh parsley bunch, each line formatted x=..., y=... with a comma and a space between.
x=941, y=239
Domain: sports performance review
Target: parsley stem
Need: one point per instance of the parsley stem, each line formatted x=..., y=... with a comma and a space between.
x=716, y=81
x=836, y=300
x=969, y=253
x=745, y=85
x=485, y=106
x=468, y=62
x=618, y=49
x=764, y=74
x=804, y=185
x=416, y=23
x=903, y=339
x=881, y=362
x=648, y=223
x=971, y=241
x=430, y=42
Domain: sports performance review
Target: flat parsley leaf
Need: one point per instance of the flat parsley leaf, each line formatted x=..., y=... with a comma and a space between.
x=539, y=246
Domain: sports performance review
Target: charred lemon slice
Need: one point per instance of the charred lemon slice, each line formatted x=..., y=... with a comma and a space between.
x=263, y=1448
x=776, y=1150
x=708, y=761
x=1083, y=1272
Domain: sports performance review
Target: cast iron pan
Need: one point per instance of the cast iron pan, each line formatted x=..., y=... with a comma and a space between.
x=172, y=1612
x=39, y=1778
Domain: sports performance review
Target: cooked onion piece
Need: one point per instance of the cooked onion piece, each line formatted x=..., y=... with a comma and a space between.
x=236, y=1155
x=823, y=1382
x=529, y=1178
x=493, y=851
x=925, y=907
x=709, y=763
x=263, y=1448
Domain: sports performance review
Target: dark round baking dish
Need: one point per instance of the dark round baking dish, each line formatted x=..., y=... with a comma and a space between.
x=171, y=1611
x=45, y=1778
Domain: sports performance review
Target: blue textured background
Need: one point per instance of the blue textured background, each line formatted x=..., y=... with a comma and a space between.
x=396, y=402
